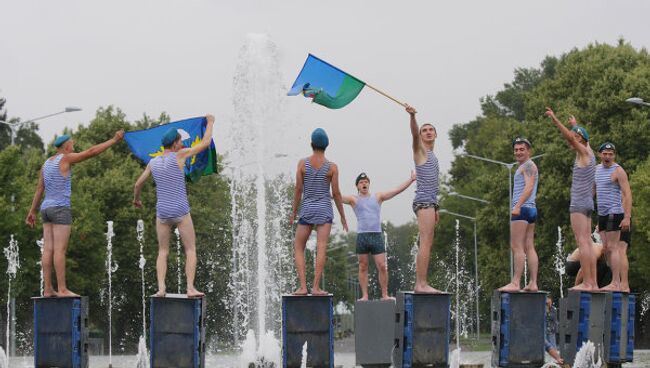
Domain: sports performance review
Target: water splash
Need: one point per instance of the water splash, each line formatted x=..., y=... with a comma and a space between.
x=4, y=361
x=13, y=264
x=142, y=359
x=457, y=246
x=39, y=244
x=111, y=267
x=178, y=259
x=303, y=360
x=558, y=260
x=454, y=358
x=586, y=357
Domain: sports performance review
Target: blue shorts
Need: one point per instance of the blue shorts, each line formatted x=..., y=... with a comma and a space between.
x=528, y=214
x=372, y=243
x=303, y=222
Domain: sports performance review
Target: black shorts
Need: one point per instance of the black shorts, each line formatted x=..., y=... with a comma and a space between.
x=612, y=222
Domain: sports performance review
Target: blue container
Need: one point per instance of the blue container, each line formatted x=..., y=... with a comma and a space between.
x=615, y=328
x=631, y=305
x=60, y=332
x=177, y=332
x=583, y=319
x=308, y=319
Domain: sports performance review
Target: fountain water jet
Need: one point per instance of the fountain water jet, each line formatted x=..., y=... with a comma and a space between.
x=558, y=260
x=178, y=259
x=143, y=354
x=111, y=267
x=13, y=264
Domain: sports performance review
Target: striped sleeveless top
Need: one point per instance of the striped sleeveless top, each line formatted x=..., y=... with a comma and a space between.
x=520, y=183
x=57, y=187
x=171, y=193
x=608, y=192
x=316, y=206
x=426, y=176
x=582, y=185
x=368, y=212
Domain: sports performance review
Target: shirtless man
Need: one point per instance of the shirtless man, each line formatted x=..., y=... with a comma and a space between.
x=524, y=215
x=582, y=202
x=367, y=208
x=55, y=180
x=614, y=198
x=425, y=203
x=172, y=206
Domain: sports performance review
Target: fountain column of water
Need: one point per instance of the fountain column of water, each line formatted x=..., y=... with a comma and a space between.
x=40, y=244
x=13, y=264
x=142, y=359
x=455, y=358
x=110, y=268
x=558, y=260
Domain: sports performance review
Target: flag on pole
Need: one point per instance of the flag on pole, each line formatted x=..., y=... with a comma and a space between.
x=146, y=144
x=326, y=84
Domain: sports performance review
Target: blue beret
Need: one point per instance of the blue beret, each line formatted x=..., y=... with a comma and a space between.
x=319, y=138
x=58, y=142
x=169, y=137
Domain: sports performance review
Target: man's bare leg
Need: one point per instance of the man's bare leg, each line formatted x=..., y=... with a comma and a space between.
x=47, y=260
x=188, y=237
x=61, y=236
x=581, y=225
x=614, y=260
x=531, y=257
x=517, y=245
x=302, y=234
x=363, y=275
x=163, y=231
x=625, y=266
x=426, y=223
x=322, y=235
x=382, y=272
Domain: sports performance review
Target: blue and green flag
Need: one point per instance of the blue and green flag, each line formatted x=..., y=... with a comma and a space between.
x=146, y=144
x=326, y=84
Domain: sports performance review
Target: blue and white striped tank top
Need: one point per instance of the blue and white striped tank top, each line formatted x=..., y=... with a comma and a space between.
x=520, y=183
x=608, y=192
x=171, y=193
x=426, y=176
x=368, y=212
x=316, y=199
x=57, y=187
x=582, y=185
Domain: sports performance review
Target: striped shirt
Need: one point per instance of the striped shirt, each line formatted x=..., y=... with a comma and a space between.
x=316, y=199
x=582, y=185
x=368, y=212
x=426, y=176
x=171, y=193
x=519, y=185
x=608, y=192
x=57, y=187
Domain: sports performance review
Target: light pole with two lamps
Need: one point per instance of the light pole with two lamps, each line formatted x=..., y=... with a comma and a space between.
x=14, y=127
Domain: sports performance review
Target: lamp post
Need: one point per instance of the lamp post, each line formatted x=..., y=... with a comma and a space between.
x=14, y=127
x=637, y=101
x=508, y=166
x=473, y=219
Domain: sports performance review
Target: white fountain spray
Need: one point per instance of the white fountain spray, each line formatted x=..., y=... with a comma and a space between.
x=260, y=255
x=558, y=260
x=110, y=268
x=13, y=264
x=178, y=258
x=40, y=243
x=454, y=361
x=142, y=358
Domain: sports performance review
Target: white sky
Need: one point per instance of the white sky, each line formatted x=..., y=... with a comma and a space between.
x=179, y=57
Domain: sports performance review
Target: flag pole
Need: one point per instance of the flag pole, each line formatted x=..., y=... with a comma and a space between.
x=386, y=95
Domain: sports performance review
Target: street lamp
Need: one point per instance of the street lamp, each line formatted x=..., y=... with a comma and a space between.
x=454, y=194
x=473, y=219
x=13, y=127
x=508, y=166
x=637, y=101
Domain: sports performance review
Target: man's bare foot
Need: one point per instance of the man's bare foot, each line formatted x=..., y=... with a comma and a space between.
x=66, y=294
x=611, y=287
x=363, y=299
x=386, y=297
x=300, y=291
x=193, y=293
x=531, y=287
x=49, y=293
x=510, y=288
x=625, y=289
x=318, y=292
x=426, y=289
x=583, y=287
x=161, y=293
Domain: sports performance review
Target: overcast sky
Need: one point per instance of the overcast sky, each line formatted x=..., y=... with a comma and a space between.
x=148, y=57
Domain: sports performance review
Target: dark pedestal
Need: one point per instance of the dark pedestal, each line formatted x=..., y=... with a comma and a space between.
x=374, y=332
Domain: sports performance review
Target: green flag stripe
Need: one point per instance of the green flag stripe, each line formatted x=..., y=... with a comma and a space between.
x=348, y=91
